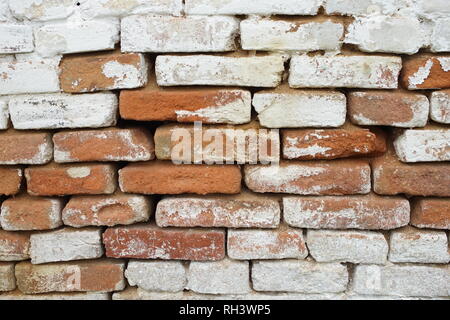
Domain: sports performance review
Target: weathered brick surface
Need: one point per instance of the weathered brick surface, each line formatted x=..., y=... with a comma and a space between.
x=418, y=246
x=431, y=213
x=14, y=246
x=56, y=180
x=25, y=147
x=90, y=73
x=11, y=178
x=310, y=178
x=426, y=72
x=246, y=210
x=281, y=243
x=65, y=245
x=440, y=106
x=231, y=106
x=112, y=144
x=7, y=278
x=91, y=276
x=327, y=144
x=62, y=296
x=117, y=209
x=352, y=212
x=4, y=115
x=388, y=108
x=159, y=177
x=150, y=242
x=31, y=213
x=359, y=247
x=376, y=72
x=16, y=38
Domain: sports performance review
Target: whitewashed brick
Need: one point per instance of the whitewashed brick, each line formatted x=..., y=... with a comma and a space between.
x=83, y=36
x=178, y=34
x=32, y=76
x=42, y=10
x=219, y=277
x=347, y=246
x=261, y=71
x=16, y=38
x=7, y=278
x=50, y=111
x=4, y=115
x=402, y=280
x=260, y=7
x=362, y=7
x=5, y=13
x=419, y=246
x=255, y=244
x=296, y=109
x=440, y=38
x=299, y=276
x=423, y=145
x=269, y=35
x=440, y=106
x=99, y=8
x=430, y=9
x=376, y=72
x=166, y=276
x=66, y=245
x=386, y=34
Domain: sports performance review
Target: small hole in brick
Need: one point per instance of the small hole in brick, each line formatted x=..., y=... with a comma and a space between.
x=78, y=4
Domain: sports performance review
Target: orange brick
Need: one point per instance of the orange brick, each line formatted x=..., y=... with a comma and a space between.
x=426, y=72
x=11, y=179
x=431, y=213
x=151, y=242
x=53, y=180
x=14, y=246
x=110, y=144
x=164, y=177
x=17, y=147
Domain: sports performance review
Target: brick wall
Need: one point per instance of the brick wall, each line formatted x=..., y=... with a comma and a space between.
x=346, y=194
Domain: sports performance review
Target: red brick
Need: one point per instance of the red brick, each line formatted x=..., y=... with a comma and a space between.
x=110, y=144
x=317, y=144
x=14, y=246
x=388, y=108
x=368, y=212
x=431, y=213
x=339, y=177
x=186, y=105
x=18, y=147
x=164, y=177
x=53, y=180
x=11, y=179
x=151, y=242
x=61, y=296
x=31, y=213
x=393, y=177
x=93, y=276
x=426, y=72
x=117, y=209
x=107, y=71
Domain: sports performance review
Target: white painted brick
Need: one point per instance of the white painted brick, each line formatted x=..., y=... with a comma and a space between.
x=431, y=9
x=16, y=38
x=362, y=7
x=423, y=145
x=440, y=38
x=440, y=106
x=402, y=35
x=219, y=277
x=178, y=34
x=166, y=276
x=402, y=280
x=4, y=114
x=7, y=278
x=299, y=276
x=419, y=246
x=263, y=71
x=260, y=7
x=5, y=13
x=376, y=72
x=83, y=36
x=42, y=10
x=347, y=246
x=6, y=58
x=99, y=8
x=255, y=244
x=66, y=245
x=296, y=109
x=32, y=76
x=50, y=111
x=269, y=35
